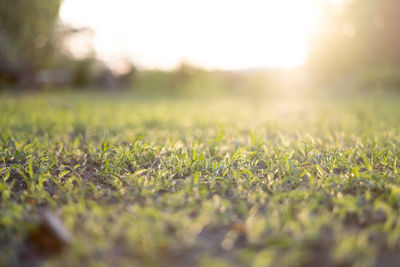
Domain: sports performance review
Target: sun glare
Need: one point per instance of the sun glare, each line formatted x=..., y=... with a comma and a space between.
x=222, y=34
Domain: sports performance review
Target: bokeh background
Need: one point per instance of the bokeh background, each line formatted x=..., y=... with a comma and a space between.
x=192, y=47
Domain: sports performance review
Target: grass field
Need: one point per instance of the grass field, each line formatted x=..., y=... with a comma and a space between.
x=209, y=182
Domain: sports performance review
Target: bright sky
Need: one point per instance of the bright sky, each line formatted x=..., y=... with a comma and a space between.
x=222, y=34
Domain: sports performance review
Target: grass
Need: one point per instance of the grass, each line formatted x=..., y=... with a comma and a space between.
x=185, y=182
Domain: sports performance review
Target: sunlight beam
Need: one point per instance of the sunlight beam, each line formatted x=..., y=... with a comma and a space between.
x=213, y=34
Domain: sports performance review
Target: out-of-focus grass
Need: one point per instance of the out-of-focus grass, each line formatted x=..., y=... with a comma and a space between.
x=209, y=182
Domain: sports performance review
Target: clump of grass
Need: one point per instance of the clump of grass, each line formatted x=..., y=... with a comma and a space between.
x=182, y=182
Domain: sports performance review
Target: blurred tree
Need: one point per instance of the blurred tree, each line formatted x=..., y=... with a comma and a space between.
x=181, y=77
x=26, y=37
x=359, y=35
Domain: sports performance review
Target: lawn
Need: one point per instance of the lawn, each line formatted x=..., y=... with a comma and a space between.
x=147, y=181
